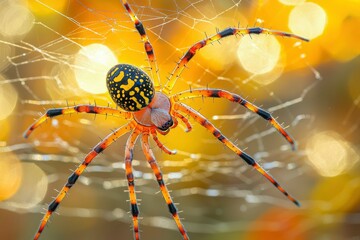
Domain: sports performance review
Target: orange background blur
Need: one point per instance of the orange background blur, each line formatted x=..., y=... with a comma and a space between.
x=52, y=53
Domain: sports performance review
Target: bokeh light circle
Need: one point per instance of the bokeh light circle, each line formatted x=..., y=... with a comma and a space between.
x=8, y=99
x=92, y=63
x=329, y=154
x=307, y=20
x=10, y=175
x=259, y=54
x=15, y=20
x=32, y=189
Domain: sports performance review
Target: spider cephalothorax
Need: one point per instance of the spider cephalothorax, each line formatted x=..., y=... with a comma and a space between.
x=157, y=113
x=149, y=109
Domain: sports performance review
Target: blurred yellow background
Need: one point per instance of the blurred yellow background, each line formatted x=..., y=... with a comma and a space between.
x=55, y=53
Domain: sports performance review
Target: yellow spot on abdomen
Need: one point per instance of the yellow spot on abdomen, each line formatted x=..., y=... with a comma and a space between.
x=128, y=86
x=138, y=105
x=112, y=73
x=146, y=99
x=120, y=77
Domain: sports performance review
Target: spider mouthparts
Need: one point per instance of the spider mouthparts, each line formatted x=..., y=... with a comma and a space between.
x=166, y=126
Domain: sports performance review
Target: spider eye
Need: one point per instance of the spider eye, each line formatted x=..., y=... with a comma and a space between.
x=130, y=87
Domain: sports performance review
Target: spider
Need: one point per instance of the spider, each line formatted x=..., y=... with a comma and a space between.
x=151, y=109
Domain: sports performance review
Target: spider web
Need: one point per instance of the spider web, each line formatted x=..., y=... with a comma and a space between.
x=219, y=194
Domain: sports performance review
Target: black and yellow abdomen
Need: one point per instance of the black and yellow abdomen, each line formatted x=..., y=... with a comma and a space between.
x=130, y=87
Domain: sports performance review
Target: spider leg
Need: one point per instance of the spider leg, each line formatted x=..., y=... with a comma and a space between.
x=175, y=74
x=152, y=161
x=53, y=112
x=184, y=120
x=101, y=146
x=160, y=144
x=247, y=158
x=131, y=182
x=176, y=123
x=219, y=93
x=148, y=47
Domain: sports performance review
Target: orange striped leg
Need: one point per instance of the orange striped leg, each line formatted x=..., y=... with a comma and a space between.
x=175, y=122
x=101, y=146
x=53, y=112
x=160, y=144
x=184, y=120
x=216, y=37
x=247, y=158
x=131, y=182
x=148, y=47
x=151, y=159
x=218, y=93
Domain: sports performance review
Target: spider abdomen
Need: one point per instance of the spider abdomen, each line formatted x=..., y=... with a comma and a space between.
x=130, y=87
